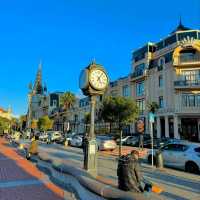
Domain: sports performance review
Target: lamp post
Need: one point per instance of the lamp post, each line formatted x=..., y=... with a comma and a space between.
x=93, y=82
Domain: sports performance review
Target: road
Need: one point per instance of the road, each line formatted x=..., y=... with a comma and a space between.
x=177, y=185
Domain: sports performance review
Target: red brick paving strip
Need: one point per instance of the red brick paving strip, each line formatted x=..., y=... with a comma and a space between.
x=14, y=168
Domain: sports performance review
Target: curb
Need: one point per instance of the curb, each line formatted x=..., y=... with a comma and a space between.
x=86, y=182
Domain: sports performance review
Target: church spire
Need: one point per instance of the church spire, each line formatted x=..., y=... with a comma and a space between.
x=38, y=89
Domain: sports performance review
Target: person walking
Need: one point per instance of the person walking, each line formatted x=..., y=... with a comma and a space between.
x=33, y=148
x=141, y=141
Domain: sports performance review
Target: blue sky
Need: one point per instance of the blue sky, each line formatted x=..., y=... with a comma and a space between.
x=68, y=34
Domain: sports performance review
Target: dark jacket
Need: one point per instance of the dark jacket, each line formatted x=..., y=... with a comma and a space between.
x=129, y=175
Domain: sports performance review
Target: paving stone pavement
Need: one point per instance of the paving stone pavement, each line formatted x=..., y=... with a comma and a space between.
x=21, y=180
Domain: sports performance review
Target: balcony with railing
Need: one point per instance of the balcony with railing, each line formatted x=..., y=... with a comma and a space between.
x=187, y=84
x=188, y=60
x=138, y=74
x=187, y=103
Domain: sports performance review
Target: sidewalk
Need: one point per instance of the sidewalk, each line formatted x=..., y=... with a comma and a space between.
x=20, y=179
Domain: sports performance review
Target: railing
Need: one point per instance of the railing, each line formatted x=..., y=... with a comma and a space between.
x=137, y=73
x=187, y=83
x=189, y=59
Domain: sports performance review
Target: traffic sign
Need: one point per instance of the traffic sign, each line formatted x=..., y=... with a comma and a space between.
x=151, y=117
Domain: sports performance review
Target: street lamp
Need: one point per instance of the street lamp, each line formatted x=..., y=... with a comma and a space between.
x=93, y=82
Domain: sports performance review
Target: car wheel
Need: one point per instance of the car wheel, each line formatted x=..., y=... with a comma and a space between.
x=150, y=159
x=191, y=167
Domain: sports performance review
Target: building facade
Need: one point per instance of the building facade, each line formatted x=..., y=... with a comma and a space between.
x=6, y=113
x=168, y=72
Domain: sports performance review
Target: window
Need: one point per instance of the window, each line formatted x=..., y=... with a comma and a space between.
x=170, y=40
x=160, y=81
x=191, y=100
x=126, y=91
x=141, y=105
x=161, y=103
x=140, y=88
x=198, y=100
x=140, y=53
x=168, y=57
x=169, y=147
x=191, y=77
x=113, y=84
x=139, y=69
x=54, y=103
x=175, y=147
x=184, y=100
x=183, y=35
x=197, y=149
x=159, y=45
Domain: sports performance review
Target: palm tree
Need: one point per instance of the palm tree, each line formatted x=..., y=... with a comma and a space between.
x=153, y=106
x=67, y=100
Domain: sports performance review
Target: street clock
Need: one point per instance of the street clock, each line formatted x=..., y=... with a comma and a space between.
x=93, y=80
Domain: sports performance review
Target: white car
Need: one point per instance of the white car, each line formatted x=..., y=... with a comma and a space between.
x=105, y=143
x=124, y=139
x=43, y=136
x=16, y=135
x=53, y=136
x=180, y=155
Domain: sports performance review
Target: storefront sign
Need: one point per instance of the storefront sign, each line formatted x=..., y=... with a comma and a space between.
x=140, y=126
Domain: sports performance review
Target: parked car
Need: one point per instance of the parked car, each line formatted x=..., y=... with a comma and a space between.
x=27, y=134
x=124, y=139
x=105, y=143
x=61, y=140
x=16, y=135
x=77, y=141
x=68, y=136
x=157, y=143
x=43, y=136
x=181, y=155
x=132, y=141
x=53, y=136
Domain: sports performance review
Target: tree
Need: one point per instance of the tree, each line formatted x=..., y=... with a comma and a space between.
x=4, y=124
x=121, y=110
x=34, y=123
x=44, y=123
x=67, y=100
x=152, y=107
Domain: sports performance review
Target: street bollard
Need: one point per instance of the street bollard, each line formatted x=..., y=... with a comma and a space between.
x=159, y=159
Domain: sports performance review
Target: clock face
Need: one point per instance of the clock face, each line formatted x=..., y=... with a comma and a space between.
x=83, y=79
x=98, y=79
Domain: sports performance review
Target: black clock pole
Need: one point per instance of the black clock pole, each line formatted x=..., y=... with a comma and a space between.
x=90, y=89
x=90, y=153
